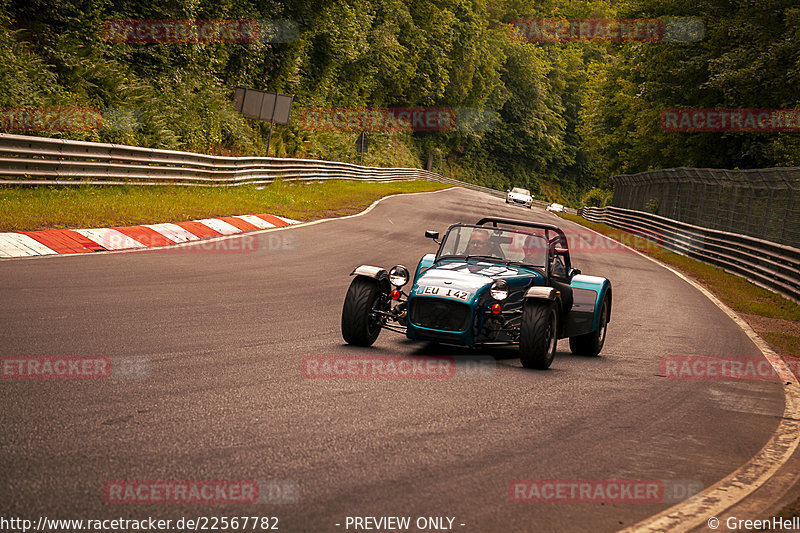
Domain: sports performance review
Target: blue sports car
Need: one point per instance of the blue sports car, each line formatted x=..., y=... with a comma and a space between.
x=499, y=281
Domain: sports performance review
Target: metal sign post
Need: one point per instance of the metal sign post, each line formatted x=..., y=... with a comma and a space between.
x=362, y=145
x=271, y=120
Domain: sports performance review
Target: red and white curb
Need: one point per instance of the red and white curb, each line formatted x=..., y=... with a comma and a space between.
x=67, y=241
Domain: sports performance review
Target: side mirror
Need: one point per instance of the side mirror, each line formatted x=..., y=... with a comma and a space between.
x=560, y=250
x=432, y=234
x=573, y=272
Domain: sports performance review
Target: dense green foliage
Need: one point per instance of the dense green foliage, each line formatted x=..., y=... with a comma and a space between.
x=568, y=114
x=749, y=58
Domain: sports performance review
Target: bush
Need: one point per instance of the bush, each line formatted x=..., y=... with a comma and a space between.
x=597, y=197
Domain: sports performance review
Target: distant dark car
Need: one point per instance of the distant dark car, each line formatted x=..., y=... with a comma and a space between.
x=496, y=282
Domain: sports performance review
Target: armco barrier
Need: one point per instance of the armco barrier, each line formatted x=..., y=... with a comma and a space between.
x=770, y=265
x=27, y=160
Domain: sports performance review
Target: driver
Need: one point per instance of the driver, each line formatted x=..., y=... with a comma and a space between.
x=479, y=243
x=534, y=249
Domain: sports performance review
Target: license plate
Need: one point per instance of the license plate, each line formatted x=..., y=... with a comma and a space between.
x=444, y=292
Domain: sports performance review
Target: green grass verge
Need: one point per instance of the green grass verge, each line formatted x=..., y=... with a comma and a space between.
x=738, y=293
x=38, y=208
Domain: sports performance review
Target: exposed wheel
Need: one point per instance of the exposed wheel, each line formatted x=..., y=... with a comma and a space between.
x=538, y=334
x=359, y=325
x=591, y=343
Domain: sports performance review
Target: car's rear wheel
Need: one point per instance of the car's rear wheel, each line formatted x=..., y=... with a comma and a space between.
x=538, y=334
x=591, y=343
x=360, y=325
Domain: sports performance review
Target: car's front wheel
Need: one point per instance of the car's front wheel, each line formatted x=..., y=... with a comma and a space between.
x=360, y=325
x=538, y=334
x=591, y=343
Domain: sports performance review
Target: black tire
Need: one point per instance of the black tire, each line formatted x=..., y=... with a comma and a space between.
x=591, y=343
x=538, y=334
x=357, y=326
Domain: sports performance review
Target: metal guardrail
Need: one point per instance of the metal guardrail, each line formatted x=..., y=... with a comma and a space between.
x=768, y=264
x=28, y=160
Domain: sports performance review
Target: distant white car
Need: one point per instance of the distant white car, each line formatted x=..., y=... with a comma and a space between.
x=557, y=208
x=519, y=196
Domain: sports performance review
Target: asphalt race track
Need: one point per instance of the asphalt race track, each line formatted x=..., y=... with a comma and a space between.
x=218, y=393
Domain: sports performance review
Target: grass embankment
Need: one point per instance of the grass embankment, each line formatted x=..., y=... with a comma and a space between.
x=38, y=208
x=774, y=318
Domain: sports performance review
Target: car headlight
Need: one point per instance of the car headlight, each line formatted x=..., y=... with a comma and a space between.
x=398, y=275
x=499, y=290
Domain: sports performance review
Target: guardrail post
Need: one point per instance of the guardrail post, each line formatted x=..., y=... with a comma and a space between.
x=767, y=212
x=789, y=207
x=733, y=206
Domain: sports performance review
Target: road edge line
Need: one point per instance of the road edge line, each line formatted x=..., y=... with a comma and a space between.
x=746, y=479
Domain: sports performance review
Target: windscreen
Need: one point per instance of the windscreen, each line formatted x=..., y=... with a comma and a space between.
x=495, y=244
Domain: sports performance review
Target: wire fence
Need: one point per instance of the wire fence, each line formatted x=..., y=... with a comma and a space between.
x=762, y=203
x=770, y=265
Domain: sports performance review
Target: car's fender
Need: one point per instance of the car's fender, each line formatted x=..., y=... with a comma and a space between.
x=540, y=293
x=377, y=273
x=424, y=264
x=588, y=293
x=545, y=294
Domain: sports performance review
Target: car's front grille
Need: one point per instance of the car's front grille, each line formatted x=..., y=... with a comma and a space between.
x=438, y=313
